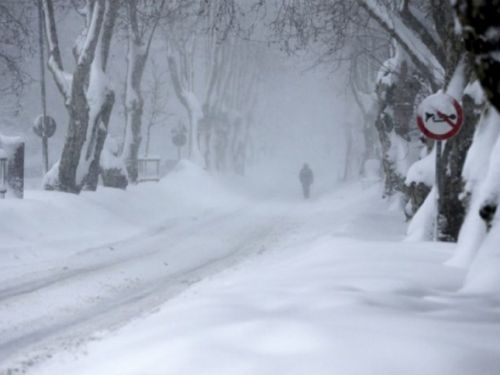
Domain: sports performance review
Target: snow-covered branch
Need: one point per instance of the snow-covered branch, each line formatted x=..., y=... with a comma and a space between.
x=92, y=37
x=61, y=77
x=417, y=23
x=422, y=57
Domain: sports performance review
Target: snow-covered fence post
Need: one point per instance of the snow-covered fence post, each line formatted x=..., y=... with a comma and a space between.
x=13, y=148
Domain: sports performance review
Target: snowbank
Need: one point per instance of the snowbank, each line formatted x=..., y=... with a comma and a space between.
x=332, y=288
x=328, y=304
x=48, y=225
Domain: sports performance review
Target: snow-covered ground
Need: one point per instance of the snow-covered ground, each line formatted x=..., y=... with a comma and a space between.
x=198, y=275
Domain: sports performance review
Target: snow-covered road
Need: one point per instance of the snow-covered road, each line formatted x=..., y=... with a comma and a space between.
x=159, y=280
x=55, y=292
x=49, y=305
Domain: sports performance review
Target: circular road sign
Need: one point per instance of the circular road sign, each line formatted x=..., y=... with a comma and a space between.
x=179, y=139
x=47, y=129
x=439, y=116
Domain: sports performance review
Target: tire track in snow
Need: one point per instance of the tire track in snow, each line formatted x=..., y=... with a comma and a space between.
x=125, y=301
x=35, y=284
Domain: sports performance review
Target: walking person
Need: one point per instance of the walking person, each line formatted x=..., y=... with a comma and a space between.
x=306, y=178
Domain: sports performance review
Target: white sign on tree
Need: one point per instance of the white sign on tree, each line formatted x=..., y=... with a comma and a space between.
x=439, y=116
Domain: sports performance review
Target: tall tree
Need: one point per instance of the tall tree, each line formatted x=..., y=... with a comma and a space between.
x=158, y=100
x=478, y=245
x=421, y=60
x=231, y=98
x=142, y=20
x=180, y=60
x=217, y=125
x=87, y=95
x=408, y=74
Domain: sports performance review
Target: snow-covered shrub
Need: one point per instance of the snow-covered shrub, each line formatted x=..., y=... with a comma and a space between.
x=112, y=168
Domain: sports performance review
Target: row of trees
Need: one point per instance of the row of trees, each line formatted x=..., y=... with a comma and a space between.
x=399, y=52
x=16, y=41
x=218, y=95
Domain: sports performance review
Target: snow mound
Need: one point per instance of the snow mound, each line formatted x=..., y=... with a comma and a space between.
x=72, y=223
x=423, y=171
x=189, y=168
x=193, y=184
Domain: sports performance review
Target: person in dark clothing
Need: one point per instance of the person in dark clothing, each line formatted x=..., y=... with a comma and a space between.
x=306, y=179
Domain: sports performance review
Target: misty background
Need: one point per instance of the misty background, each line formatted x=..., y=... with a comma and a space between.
x=302, y=114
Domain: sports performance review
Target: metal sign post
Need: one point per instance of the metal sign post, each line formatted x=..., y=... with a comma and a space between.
x=179, y=138
x=439, y=117
x=437, y=183
x=45, y=144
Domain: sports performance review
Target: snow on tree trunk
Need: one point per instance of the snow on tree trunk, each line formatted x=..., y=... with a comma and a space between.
x=458, y=72
x=474, y=172
x=136, y=63
x=451, y=206
x=420, y=180
x=361, y=84
x=483, y=229
x=113, y=170
x=396, y=90
x=88, y=97
x=141, y=29
x=195, y=114
x=481, y=30
x=183, y=88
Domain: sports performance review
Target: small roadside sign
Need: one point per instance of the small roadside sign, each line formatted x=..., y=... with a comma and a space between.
x=179, y=139
x=439, y=116
x=44, y=126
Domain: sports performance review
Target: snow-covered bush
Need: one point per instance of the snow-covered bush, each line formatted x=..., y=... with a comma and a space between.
x=112, y=167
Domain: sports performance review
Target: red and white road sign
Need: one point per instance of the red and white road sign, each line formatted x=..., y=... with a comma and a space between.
x=439, y=116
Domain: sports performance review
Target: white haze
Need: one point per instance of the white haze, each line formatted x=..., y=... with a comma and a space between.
x=302, y=123
x=299, y=117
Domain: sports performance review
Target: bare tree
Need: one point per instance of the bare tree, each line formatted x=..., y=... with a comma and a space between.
x=16, y=42
x=218, y=117
x=142, y=20
x=180, y=59
x=158, y=101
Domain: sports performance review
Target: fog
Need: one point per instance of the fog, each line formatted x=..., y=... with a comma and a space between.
x=250, y=187
x=303, y=122
x=299, y=116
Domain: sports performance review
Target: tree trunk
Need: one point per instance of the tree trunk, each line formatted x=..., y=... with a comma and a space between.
x=393, y=125
x=77, y=131
x=451, y=207
x=92, y=178
x=191, y=103
x=480, y=33
x=133, y=110
x=88, y=114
